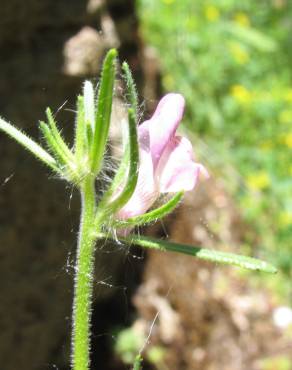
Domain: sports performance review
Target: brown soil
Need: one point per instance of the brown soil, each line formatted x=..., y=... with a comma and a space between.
x=206, y=317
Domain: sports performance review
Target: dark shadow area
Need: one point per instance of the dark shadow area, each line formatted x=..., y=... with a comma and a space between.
x=117, y=311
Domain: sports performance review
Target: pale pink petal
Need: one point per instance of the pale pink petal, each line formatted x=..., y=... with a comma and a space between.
x=176, y=170
x=184, y=179
x=166, y=161
x=203, y=171
x=162, y=126
x=145, y=193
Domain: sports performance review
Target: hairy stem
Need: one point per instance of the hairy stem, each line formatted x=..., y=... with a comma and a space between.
x=84, y=279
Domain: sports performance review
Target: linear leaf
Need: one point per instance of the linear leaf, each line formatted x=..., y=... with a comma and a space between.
x=132, y=178
x=124, y=164
x=117, y=181
x=153, y=215
x=80, y=131
x=52, y=143
x=203, y=254
x=58, y=138
x=29, y=144
x=104, y=108
x=131, y=87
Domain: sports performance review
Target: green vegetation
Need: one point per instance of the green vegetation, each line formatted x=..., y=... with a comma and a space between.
x=232, y=61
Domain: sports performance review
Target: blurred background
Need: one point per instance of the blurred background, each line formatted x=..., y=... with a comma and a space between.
x=232, y=62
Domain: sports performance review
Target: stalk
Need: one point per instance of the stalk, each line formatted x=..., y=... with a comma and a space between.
x=84, y=279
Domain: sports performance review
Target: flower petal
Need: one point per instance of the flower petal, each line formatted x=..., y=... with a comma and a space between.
x=162, y=125
x=176, y=169
x=145, y=193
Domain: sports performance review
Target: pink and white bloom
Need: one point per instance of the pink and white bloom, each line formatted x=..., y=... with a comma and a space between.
x=166, y=160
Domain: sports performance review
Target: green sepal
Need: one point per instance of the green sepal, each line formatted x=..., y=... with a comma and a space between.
x=29, y=144
x=80, y=143
x=66, y=167
x=132, y=178
x=117, y=180
x=131, y=87
x=57, y=136
x=124, y=164
x=103, y=112
x=52, y=144
x=203, y=253
x=153, y=215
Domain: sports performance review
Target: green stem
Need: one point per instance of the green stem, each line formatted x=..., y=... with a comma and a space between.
x=84, y=279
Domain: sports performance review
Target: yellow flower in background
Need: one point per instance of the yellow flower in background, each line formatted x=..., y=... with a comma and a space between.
x=241, y=94
x=242, y=19
x=168, y=2
x=258, y=181
x=212, y=13
x=239, y=53
x=285, y=218
x=287, y=140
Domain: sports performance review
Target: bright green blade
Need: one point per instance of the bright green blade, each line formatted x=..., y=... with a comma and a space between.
x=58, y=137
x=103, y=113
x=203, y=253
x=132, y=178
x=52, y=144
x=153, y=215
x=131, y=87
x=29, y=144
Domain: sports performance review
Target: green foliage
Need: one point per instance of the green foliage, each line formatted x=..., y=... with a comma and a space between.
x=277, y=362
x=28, y=144
x=153, y=215
x=203, y=254
x=128, y=344
x=156, y=355
x=103, y=110
x=232, y=61
x=132, y=179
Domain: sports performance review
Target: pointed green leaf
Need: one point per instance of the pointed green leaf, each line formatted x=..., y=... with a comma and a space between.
x=124, y=165
x=52, y=144
x=104, y=108
x=132, y=178
x=203, y=254
x=118, y=179
x=29, y=144
x=153, y=215
x=80, y=131
x=58, y=138
x=131, y=87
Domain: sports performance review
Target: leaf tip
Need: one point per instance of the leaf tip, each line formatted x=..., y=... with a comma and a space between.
x=112, y=53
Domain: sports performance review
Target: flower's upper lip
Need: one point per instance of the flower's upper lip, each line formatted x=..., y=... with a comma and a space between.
x=155, y=133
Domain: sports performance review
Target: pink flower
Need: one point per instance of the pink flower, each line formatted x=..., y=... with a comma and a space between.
x=166, y=160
